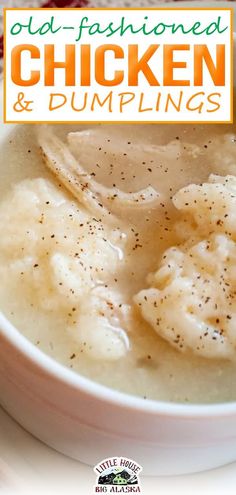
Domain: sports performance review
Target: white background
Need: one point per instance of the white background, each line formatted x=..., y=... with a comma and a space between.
x=44, y=470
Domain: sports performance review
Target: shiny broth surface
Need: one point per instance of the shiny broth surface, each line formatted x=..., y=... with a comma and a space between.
x=124, y=157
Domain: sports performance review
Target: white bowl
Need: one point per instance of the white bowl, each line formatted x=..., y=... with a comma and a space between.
x=90, y=422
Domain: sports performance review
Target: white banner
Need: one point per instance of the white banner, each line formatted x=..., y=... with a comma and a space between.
x=118, y=65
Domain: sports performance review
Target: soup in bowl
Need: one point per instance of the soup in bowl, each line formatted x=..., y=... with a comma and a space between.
x=118, y=300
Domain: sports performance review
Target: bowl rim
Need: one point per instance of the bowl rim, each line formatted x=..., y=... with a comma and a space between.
x=78, y=382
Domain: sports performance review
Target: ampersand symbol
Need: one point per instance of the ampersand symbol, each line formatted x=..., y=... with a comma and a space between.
x=21, y=104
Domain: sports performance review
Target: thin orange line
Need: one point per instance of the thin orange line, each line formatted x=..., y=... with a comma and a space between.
x=4, y=66
x=125, y=8
x=231, y=67
x=118, y=122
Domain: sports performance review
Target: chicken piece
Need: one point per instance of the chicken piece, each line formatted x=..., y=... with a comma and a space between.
x=103, y=154
x=97, y=198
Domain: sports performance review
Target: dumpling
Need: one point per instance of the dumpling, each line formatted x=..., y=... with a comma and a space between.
x=191, y=299
x=63, y=257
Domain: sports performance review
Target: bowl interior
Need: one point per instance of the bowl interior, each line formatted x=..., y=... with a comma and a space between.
x=78, y=382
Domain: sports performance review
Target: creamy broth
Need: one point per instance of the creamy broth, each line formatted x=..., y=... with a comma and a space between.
x=151, y=369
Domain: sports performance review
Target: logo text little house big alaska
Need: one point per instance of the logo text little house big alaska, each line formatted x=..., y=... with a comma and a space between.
x=118, y=65
x=117, y=475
